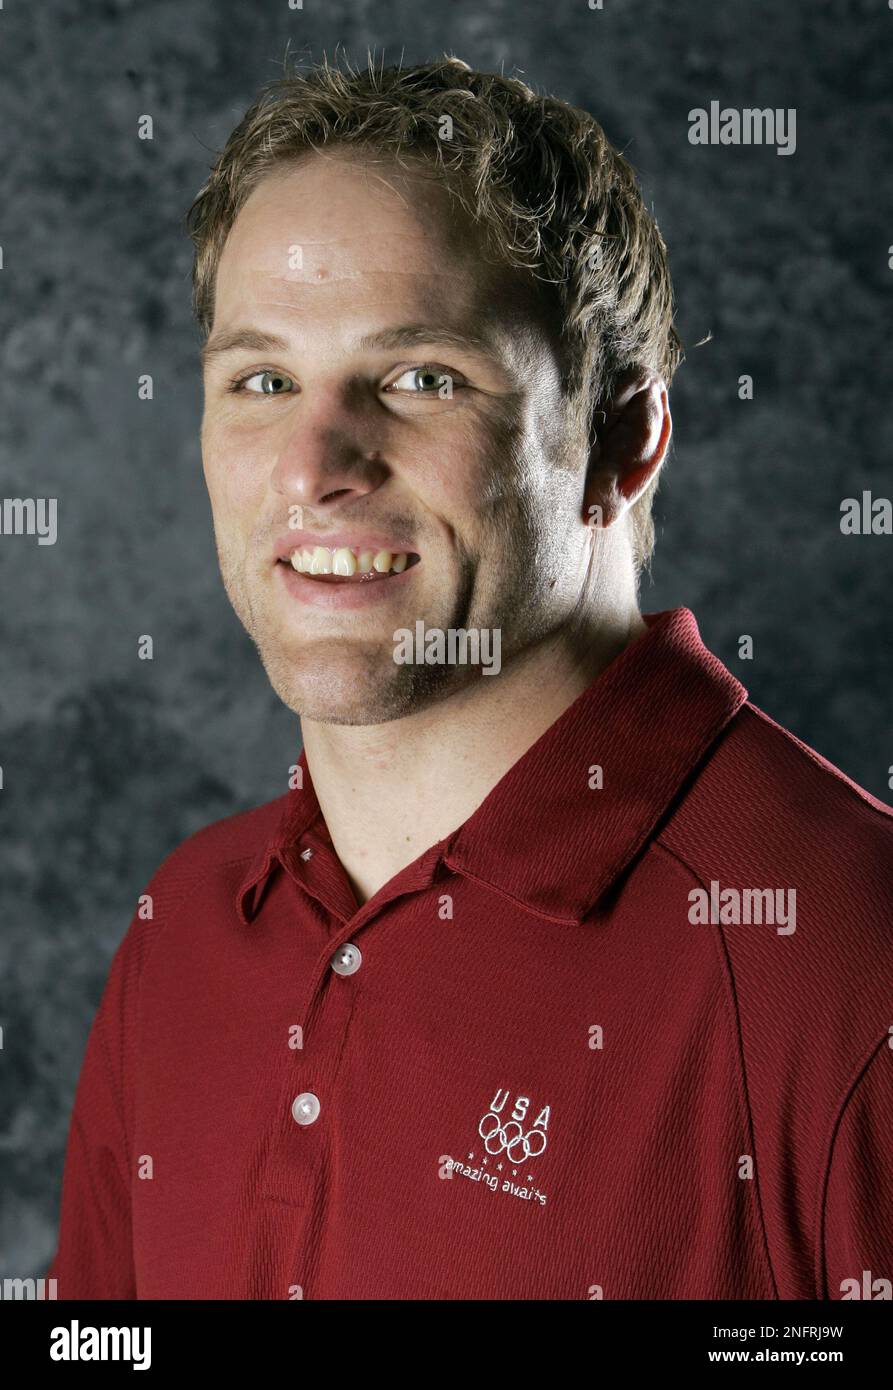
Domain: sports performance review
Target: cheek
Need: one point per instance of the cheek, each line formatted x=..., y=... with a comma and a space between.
x=483, y=472
x=233, y=473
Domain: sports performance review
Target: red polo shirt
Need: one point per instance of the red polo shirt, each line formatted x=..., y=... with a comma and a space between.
x=588, y=1045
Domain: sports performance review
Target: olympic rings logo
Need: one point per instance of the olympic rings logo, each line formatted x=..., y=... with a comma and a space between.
x=518, y=1146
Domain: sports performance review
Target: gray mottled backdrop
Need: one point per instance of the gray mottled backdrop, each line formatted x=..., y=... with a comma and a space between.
x=109, y=761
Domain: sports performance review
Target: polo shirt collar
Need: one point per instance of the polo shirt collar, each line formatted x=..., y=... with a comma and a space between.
x=546, y=836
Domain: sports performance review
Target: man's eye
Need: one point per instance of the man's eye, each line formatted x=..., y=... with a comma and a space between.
x=426, y=381
x=420, y=381
x=273, y=383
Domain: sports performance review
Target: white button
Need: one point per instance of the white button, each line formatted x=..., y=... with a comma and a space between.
x=347, y=959
x=306, y=853
x=305, y=1108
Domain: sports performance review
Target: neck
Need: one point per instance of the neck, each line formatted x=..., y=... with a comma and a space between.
x=389, y=791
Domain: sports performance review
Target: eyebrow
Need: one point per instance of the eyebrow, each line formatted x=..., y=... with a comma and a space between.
x=406, y=335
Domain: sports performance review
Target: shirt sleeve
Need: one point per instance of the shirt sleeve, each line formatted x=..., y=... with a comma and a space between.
x=94, y=1256
x=858, y=1215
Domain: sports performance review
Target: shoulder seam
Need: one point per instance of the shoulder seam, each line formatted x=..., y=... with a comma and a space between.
x=719, y=938
x=836, y=1126
x=822, y=763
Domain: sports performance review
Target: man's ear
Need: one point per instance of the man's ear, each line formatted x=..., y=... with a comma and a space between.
x=628, y=443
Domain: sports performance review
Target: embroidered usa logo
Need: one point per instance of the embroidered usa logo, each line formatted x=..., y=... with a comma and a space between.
x=512, y=1131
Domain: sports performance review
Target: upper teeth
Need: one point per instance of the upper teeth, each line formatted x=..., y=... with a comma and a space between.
x=319, y=559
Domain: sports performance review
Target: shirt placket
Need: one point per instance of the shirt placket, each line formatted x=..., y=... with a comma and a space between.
x=324, y=1006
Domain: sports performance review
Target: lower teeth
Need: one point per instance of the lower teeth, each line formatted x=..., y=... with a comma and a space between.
x=348, y=578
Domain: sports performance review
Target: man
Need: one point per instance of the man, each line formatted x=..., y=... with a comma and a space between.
x=560, y=971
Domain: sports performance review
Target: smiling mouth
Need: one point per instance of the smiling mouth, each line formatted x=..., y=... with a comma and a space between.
x=347, y=565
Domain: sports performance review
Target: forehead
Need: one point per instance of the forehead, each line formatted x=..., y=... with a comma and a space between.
x=329, y=235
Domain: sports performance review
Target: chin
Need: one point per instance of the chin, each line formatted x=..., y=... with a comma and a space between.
x=335, y=684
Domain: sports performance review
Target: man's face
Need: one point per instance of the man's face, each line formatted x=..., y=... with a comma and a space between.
x=411, y=405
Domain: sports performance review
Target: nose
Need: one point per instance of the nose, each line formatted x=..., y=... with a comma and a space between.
x=331, y=452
